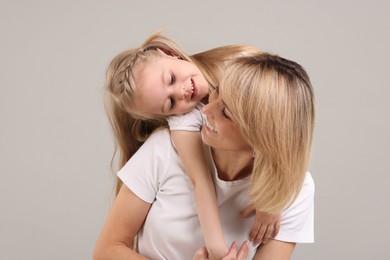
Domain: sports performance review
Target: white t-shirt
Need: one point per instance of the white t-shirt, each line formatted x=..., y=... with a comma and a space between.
x=191, y=121
x=172, y=229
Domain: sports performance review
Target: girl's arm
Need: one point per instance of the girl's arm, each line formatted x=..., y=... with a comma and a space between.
x=190, y=148
x=123, y=222
x=275, y=250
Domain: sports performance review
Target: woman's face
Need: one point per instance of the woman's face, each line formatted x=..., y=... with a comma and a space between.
x=219, y=131
x=167, y=85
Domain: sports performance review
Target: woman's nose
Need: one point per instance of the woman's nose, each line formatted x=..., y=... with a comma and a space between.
x=213, y=104
x=209, y=108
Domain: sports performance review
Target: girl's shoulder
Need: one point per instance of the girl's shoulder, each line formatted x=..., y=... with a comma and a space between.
x=191, y=121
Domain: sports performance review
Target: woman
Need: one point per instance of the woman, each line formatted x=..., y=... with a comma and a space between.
x=259, y=126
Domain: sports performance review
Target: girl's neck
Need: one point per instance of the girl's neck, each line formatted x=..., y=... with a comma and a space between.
x=232, y=165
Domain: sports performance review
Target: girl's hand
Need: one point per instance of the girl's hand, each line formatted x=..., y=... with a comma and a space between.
x=266, y=225
x=233, y=254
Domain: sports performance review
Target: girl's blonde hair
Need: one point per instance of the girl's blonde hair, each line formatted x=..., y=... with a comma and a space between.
x=272, y=101
x=130, y=127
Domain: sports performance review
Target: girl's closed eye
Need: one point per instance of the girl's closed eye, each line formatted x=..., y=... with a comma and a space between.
x=172, y=79
x=172, y=103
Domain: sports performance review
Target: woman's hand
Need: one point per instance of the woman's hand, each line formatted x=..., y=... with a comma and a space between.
x=266, y=225
x=233, y=254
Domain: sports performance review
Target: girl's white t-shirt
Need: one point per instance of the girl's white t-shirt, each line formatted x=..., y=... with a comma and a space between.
x=172, y=230
x=192, y=121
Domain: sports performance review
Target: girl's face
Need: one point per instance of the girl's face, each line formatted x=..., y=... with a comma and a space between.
x=167, y=86
x=219, y=131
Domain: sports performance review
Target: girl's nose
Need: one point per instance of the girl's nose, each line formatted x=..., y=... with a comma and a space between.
x=182, y=93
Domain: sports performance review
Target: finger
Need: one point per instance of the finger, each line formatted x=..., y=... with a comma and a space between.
x=200, y=254
x=233, y=249
x=276, y=229
x=243, y=252
x=231, y=255
x=255, y=230
x=267, y=234
x=247, y=211
x=261, y=233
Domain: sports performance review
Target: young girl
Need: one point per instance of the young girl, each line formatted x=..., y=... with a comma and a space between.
x=157, y=81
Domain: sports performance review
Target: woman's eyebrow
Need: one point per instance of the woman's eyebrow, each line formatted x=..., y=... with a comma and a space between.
x=223, y=102
x=227, y=108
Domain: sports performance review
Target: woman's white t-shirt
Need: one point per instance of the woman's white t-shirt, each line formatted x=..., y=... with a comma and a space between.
x=172, y=229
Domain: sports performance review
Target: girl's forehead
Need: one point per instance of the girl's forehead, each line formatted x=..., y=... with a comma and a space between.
x=153, y=61
x=146, y=66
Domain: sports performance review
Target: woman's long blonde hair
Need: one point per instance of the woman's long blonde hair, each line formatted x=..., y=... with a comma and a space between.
x=272, y=101
x=130, y=128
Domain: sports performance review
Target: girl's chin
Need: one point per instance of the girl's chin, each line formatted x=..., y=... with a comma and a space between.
x=202, y=93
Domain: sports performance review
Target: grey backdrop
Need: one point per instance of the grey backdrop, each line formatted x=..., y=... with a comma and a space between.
x=55, y=187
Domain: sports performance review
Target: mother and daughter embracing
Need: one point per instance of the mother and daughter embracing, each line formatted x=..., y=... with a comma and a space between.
x=213, y=154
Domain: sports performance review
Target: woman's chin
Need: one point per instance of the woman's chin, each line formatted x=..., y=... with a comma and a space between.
x=205, y=133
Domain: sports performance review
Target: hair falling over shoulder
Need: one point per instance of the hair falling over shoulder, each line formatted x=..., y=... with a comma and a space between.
x=130, y=128
x=129, y=133
x=273, y=103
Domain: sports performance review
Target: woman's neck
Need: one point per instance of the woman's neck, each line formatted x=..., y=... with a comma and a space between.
x=232, y=165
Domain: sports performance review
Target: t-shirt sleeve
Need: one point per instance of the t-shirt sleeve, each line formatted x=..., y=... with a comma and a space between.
x=297, y=221
x=191, y=121
x=143, y=174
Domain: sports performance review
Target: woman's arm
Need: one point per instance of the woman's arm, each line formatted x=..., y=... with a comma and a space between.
x=275, y=250
x=123, y=222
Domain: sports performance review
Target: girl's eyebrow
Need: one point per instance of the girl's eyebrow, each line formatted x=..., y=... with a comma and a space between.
x=163, y=107
x=162, y=76
x=163, y=81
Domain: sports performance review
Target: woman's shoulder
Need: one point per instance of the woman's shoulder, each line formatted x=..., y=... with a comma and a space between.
x=159, y=136
x=157, y=148
x=153, y=160
x=157, y=145
x=308, y=183
x=297, y=221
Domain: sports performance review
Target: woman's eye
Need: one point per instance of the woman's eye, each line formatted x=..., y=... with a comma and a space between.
x=223, y=110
